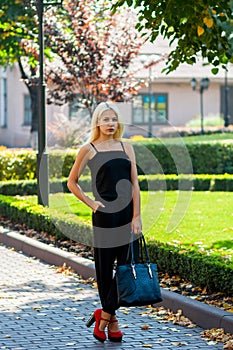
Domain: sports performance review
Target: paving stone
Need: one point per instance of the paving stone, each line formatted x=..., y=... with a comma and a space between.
x=41, y=309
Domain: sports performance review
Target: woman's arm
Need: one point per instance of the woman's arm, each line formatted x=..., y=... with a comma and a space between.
x=136, y=220
x=77, y=169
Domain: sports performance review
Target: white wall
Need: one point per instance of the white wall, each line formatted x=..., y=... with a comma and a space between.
x=184, y=103
x=2, y=106
x=15, y=134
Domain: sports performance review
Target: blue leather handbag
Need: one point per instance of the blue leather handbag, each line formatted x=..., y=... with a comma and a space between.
x=138, y=283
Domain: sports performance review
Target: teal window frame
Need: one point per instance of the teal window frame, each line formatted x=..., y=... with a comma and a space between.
x=159, y=108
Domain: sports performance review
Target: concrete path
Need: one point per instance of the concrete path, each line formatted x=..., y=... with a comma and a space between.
x=41, y=309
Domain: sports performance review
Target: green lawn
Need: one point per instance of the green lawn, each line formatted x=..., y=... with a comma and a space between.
x=218, y=137
x=198, y=220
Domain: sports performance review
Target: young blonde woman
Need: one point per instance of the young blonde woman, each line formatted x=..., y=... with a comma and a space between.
x=116, y=208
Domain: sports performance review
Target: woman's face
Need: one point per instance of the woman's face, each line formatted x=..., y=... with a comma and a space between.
x=108, y=122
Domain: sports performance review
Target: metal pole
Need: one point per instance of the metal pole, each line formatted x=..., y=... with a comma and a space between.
x=150, y=98
x=226, y=119
x=42, y=156
x=202, y=113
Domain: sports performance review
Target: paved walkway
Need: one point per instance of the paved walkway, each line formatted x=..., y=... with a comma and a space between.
x=41, y=309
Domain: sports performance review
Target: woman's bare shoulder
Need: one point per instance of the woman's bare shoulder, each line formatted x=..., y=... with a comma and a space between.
x=128, y=146
x=85, y=150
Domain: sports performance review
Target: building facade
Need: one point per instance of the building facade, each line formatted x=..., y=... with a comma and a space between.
x=166, y=100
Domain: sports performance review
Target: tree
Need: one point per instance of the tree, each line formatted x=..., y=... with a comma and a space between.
x=195, y=27
x=92, y=58
x=92, y=48
x=18, y=25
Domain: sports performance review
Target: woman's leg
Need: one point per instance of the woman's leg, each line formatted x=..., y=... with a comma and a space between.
x=104, y=260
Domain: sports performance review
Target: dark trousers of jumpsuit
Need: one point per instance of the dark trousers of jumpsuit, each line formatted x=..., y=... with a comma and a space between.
x=104, y=263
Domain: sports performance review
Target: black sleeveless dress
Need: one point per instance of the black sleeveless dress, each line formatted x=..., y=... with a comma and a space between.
x=111, y=184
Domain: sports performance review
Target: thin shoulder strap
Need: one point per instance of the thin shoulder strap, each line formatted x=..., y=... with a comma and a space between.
x=122, y=146
x=94, y=147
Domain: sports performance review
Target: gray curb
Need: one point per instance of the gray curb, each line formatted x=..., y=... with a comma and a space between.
x=203, y=315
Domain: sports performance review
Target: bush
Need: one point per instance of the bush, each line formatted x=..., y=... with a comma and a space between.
x=21, y=164
x=206, y=157
x=40, y=218
x=206, y=271
x=17, y=165
x=171, y=182
x=29, y=187
x=153, y=157
x=222, y=183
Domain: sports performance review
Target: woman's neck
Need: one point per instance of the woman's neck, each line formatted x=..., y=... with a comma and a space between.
x=106, y=144
x=105, y=138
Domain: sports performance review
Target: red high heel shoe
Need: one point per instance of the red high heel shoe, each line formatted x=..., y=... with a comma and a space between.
x=115, y=336
x=96, y=317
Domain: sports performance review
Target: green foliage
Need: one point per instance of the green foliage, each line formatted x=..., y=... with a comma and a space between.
x=211, y=120
x=171, y=182
x=41, y=219
x=201, y=27
x=17, y=165
x=222, y=183
x=95, y=54
x=206, y=157
x=206, y=271
x=17, y=23
x=21, y=165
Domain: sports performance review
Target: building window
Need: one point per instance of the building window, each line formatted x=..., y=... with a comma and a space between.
x=159, y=108
x=230, y=102
x=3, y=102
x=77, y=109
x=27, y=110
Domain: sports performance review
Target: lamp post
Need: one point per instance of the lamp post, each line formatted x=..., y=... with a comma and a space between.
x=150, y=99
x=226, y=119
x=42, y=156
x=149, y=60
x=204, y=84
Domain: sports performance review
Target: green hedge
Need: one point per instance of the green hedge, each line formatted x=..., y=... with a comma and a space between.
x=208, y=271
x=197, y=182
x=152, y=156
x=41, y=219
x=21, y=164
x=206, y=157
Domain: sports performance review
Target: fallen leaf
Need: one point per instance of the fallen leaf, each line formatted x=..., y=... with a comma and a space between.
x=56, y=328
x=178, y=343
x=65, y=270
x=36, y=308
x=216, y=335
x=229, y=345
x=211, y=342
x=147, y=345
x=145, y=327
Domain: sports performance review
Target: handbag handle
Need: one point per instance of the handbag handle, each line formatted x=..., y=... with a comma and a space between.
x=142, y=242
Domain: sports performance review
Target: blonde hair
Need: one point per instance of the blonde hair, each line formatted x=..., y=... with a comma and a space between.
x=99, y=110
